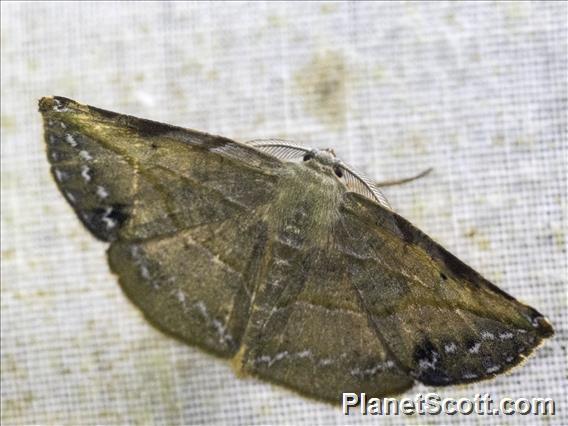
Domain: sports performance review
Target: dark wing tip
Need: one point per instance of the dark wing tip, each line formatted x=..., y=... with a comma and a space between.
x=54, y=103
x=46, y=103
x=146, y=127
x=543, y=327
x=538, y=322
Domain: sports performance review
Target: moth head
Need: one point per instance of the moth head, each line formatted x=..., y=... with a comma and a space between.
x=324, y=160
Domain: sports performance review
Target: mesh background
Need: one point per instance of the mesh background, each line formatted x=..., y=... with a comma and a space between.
x=475, y=90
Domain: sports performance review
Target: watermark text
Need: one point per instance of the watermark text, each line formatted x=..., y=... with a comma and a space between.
x=434, y=404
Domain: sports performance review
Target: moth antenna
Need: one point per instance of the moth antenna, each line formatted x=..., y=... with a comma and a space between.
x=280, y=148
x=363, y=185
x=404, y=180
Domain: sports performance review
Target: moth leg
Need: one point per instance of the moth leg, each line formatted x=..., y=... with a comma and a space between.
x=404, y=180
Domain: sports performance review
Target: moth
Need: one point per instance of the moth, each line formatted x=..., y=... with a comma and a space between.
x=281, y=258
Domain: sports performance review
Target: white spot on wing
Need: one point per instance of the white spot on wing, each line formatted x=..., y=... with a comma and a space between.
x=140, y=262
x=101, y=192
x=281, y=262
x=85, y=155
x=70, y=140
x=202, y=308
x=180, y=296
x=85, y=170
x=70, y=196
x=369, y=372
x=450, y=348
x=281, y=355
x=219, y=327
x=60, y=175
x=144, y=272
x=108, y=221
x=493, y=369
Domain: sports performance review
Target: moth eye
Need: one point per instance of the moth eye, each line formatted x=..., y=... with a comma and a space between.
x=308, y=156
x=338, y=171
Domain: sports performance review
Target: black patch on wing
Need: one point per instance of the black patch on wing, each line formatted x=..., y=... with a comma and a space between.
x=105, y=222
x=427, y=360
x=424, y=351
x=120, y=213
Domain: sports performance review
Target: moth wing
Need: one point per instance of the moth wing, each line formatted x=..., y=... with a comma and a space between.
x=445, y=323
x=131, y=178
x=308, y=329
x=379, y=306
x=196, y=283
x=181, y=208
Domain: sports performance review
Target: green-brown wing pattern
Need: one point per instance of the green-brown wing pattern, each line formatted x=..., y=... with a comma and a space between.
x=309, y=330
x=181, y=208
x=445, y=322
x=132, y=178
x=276, y=263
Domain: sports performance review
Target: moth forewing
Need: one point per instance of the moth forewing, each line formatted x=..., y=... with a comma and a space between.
x=262, y=254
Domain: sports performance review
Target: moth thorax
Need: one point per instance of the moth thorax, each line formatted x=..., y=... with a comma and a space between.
x=306, y=208
x=325, y=156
